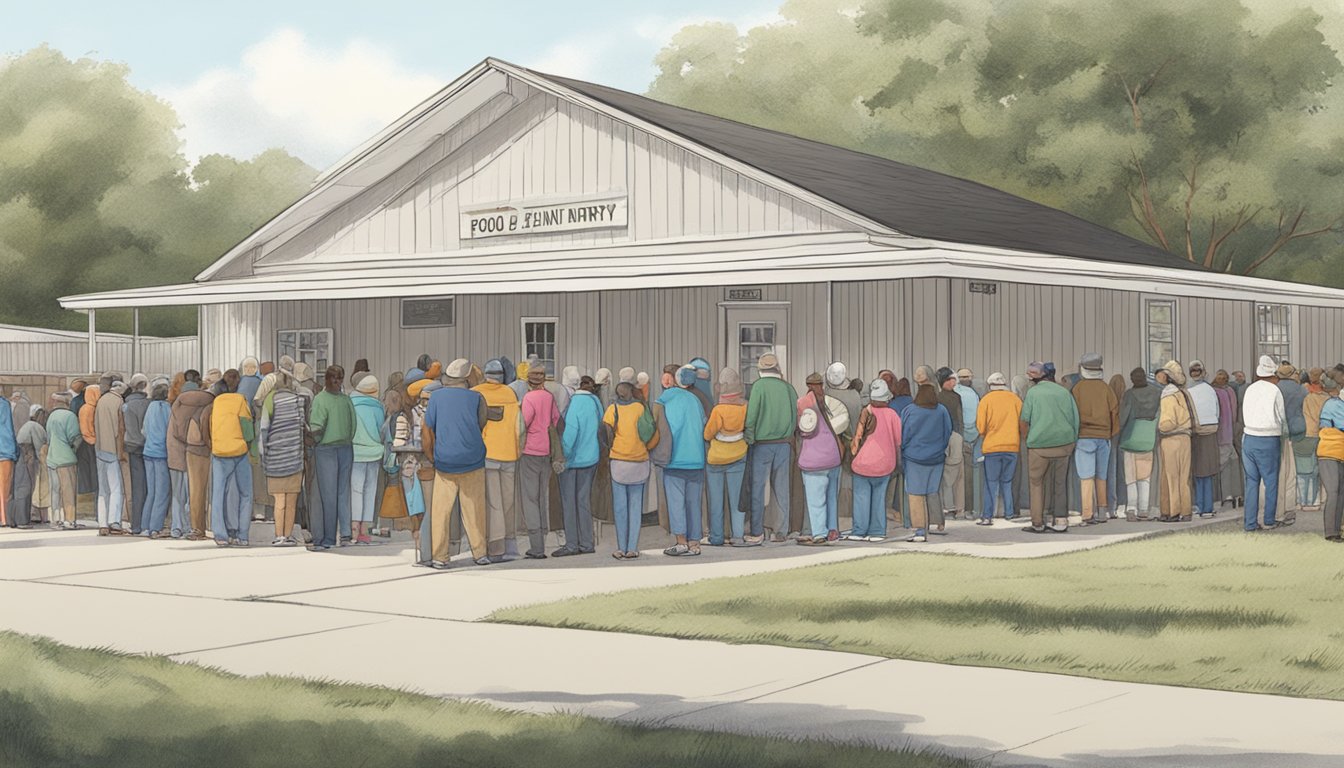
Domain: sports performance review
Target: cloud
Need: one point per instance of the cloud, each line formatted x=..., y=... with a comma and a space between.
x=285, y=92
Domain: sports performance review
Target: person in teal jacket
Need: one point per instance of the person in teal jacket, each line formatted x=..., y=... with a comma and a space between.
x=684, y=474
x=368, y=444
x=582, y=452
x=772, y=417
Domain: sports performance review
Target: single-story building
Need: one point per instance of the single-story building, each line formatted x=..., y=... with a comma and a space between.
x=517, y=213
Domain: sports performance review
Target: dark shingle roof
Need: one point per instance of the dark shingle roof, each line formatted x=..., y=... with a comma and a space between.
x=910, y=200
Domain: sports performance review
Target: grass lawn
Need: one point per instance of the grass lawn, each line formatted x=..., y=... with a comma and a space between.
x=1210, y=608
x=100, y=709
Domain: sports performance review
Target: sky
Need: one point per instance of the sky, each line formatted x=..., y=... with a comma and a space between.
x=318, y=78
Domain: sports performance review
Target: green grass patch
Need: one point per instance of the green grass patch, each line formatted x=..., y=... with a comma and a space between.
x=61, y=706
x=1211, y=607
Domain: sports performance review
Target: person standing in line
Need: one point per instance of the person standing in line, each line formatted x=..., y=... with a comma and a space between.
x=953, y=490
x=926, y=431
x=416, y=468
x=453, y=434
x=1098, y=422
x=1330, y=449
x=133, y=416
x=629, y=466
x=368, y=457
x=582, y=450
x=972, y=460
x=332, y=424
x=541, y=414
x=283, y=416
x=769, y=432
x=678, y=409
x=229, y=420
x=503, y=435
x=1050, y=421
x=821, y=422
x=1294, y=396
x=876, y=447
x=108, y=442
x=898, y=512
x=157, y=483
x=1115, y=477
x=727, y=459
x=64, y=438
x=1204, y=464
x=838, y=386
x=1265, y=423
x=998, y=421
x=1138, y=439
x=9, y=457
x=1175, y=424
x=1308, y=467
x=188, y=447
x=1229, y=426
x=29, y=472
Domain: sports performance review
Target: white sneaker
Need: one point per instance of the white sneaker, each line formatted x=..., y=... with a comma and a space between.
x=918, y=539
x=279, y=541
x=876, y=539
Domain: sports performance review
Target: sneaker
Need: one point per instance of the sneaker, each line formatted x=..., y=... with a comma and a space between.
x=242, y=543
x=422, y=564
x=917, y=539
x=280, y=541
x=439, y=565
x=564, y=552
x=1035, y=529
x=875, y=539
x=290, y=541
x=1057, y=528
x=484, y=561
x=345, y=541
x=854, y=537
x=984, y=521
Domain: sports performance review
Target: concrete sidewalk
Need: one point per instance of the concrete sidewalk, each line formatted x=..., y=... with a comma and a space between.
x=290, y=612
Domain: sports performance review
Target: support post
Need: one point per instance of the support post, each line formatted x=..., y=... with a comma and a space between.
x=135, y=340
x=200, y=338
x=93, y=342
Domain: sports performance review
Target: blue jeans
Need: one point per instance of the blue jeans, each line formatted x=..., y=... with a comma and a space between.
x=719, y=477
x=230, y=520
x=1000, y=469
x=823, y=499
x=870, y=515
x=1260, y=459
x=1090, y=458
x=181, y=509
x=111, y=491
x=627, y=505
x=684, y=489
x=364, y=491
x=334, y=465
x=1204, y=495
x=157, y=487
x=770, y=462
x=1307, y=489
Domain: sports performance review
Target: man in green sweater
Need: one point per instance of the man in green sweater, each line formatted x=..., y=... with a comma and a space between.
x=1050, y=422
x=332, y=424
x=771, y=420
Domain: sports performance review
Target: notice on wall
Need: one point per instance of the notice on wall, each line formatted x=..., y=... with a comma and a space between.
x=986, y=288
x=535, y=219
x=744, y=294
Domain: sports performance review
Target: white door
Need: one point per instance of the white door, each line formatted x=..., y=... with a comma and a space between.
x=752, y=330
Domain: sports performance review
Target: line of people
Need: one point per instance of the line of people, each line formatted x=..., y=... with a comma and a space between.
x=467, y=446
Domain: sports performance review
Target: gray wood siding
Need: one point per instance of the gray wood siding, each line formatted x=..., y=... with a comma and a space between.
x=1220, y=334
x=527, y=144
x=895, y=324
x=1320, y=340
x=68, y=357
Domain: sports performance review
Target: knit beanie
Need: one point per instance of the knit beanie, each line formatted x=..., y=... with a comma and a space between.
x=730, y=384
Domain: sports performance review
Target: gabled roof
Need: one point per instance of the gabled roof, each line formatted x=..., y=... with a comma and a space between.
x=910, y=200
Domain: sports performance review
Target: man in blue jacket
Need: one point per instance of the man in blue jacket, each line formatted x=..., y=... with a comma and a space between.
x=582, y=452
x=681, y=419
x=9, y=456
x=452, y=435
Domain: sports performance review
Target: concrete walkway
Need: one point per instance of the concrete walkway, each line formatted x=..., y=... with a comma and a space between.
x=291, y=612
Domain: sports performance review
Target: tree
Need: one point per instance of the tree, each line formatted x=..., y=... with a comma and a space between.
x=1208, y=127
x=96, y=195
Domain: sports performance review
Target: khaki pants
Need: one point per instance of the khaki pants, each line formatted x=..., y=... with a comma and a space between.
x=64, y=500
x=286, y=505
x=954, y=488
x=1287, y=509
x=469, y=488
x=1048, y=475
x=198, y=490
x=501, y=499
x=6, y=483
x=1175, y=475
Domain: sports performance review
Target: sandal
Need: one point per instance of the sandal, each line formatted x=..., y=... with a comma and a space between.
x=692, y=551
x=677, y=550
x=618, y=555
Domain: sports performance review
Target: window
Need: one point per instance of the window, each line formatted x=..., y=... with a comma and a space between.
x=311, y=346
x=1159, y=333
x=754, y=340
x=539, y=334
x=1273, y=330
x=437, y=312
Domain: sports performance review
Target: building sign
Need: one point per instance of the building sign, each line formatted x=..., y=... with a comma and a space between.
x=536, y=219
x=986, y=288
x=744, y=294
x=427, y=313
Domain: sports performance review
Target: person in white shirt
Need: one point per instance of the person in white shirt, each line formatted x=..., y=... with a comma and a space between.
x=1261, y=449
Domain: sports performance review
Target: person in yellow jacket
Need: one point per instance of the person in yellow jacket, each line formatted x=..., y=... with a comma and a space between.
x=503, y=436
x=998, y=420
x=231, y=435
x=1175, y=424
x=1330, y=450
x=727, y=458
x=629, y=467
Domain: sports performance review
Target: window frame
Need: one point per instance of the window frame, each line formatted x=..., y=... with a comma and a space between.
x=1151, y=365
x=1260, y=344
x=555, y=342
x=331, y=345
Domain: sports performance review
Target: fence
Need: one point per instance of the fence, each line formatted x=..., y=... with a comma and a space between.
x=62, y=355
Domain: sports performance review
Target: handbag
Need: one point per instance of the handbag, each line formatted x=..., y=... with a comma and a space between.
x=394, y=502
